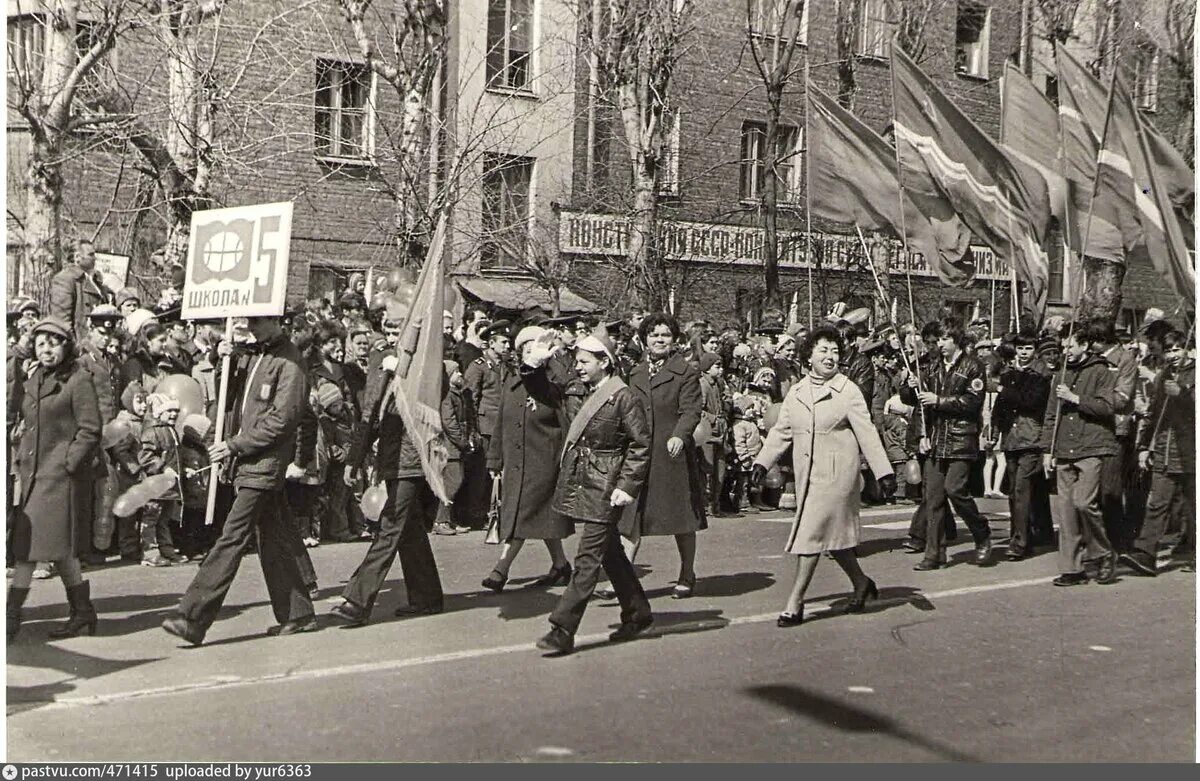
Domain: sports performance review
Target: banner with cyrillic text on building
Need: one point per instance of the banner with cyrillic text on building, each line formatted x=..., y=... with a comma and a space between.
x=237, y=262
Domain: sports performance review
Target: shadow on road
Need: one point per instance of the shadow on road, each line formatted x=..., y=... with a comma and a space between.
x=672, y=623
x=848, y=718
x=724, y=585
x=49, y=656
x=882, y=545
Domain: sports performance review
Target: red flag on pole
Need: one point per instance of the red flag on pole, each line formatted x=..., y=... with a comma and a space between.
x=418, y=383
x=853, y=179
x=1002, y=200
x=1027, y=122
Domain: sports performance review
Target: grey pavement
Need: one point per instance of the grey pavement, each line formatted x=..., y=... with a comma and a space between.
x=965, y=663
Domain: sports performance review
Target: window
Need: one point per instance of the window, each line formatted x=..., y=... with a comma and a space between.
x=755, y=161
x=509, y=44
x=668, y=165
x=876, y=28
x=343, y=122
x=1147, y=80
x=971, y=39
x=778, y=18
x=26, y=45
x=506, y=210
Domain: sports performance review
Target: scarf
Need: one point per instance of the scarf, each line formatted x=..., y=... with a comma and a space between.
x=599, y=397
x=653, y=367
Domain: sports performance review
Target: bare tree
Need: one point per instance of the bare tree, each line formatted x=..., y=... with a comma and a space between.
x=847, y=32
x=773, y=30
x=1180, y=49
x=637, y=47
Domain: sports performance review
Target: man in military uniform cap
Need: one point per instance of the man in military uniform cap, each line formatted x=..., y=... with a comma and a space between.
x=482, y=381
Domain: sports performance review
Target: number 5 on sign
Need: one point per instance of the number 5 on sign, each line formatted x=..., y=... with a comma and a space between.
x=237, y=262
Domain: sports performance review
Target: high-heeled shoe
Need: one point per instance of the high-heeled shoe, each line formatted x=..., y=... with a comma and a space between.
x=495, y=581
x=83, y=613
x=786, y=620
x=859, y=601
x=684, y=588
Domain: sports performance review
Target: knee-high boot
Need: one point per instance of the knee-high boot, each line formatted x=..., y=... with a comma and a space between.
x=83, y=613
x=16, y=600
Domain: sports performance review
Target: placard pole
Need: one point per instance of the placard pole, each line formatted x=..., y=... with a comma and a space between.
x=219, y=431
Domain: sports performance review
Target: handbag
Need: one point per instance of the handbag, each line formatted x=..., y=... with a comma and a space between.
x=492, y=537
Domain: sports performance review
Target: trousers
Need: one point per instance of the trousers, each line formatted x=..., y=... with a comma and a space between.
x=1171, y=495
x=600, y=546
x=1028, y=501
x=1077, y=511
x=947, y=484
x=402, y=533
x=1120, y=523
x=264, y=512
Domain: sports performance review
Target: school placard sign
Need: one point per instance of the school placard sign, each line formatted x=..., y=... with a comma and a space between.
x=237, y=262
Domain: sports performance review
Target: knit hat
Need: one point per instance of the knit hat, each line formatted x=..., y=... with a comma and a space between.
x=138, y=319
x=709, y=360
x=127, y=294
x=54, y=325
x=530, y=333
x=133, y=391
x=1048, y=342
x=764, y=376
x=451, y=367
x=598, y=341
x=160, y=403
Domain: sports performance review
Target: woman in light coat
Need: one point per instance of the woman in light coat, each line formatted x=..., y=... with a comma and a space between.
x=825, y=420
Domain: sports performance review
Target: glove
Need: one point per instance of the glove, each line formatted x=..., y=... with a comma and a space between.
x=757, y=475
x=887, y=484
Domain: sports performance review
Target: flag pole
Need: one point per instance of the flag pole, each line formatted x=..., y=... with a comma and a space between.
x=808, y=185
x=879, y=286
x=1087, y=230
x=1014, y=293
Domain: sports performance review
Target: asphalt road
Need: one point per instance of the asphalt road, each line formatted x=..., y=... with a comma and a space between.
x=965, y=663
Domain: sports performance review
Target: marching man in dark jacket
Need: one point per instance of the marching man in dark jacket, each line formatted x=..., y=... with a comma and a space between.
x=1018, y=414
x=604, y=465
x=1167, y=449
x=268, y=396
x=1077, y=435
x=953, y=405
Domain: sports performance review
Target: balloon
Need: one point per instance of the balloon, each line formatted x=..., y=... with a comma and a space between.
x=114, y=431
x=380, y=298
x=187, y=392
x=912, y=472
x=124, y=506
x=197, y=425
x=382, y=284
x=774, y=478
x=771, y=415
x=703, y=432
x=159, y=486
x=399, y=277
x=372, y=502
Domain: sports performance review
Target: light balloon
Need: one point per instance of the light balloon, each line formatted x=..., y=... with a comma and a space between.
x=372, y=503
x=114, y=432
x=773, y=478
x=703, y=431
x=912, y=472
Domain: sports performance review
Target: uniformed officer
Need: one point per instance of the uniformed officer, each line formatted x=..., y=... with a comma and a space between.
x=482, y=381
x=103, y=322
x=953, y=406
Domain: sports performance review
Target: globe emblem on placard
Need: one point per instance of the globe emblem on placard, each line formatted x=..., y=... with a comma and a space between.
x=223, y=251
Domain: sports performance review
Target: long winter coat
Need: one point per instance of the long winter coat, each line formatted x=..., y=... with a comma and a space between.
x=74, y=293
x=61, y=419
x=673, y=502
x=828, y=426
x=612, y=452
x=525, y=447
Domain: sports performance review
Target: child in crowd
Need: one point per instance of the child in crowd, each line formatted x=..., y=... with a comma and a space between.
x=747, y=442
x=159, y=452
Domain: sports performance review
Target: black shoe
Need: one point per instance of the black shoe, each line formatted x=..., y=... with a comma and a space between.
x=413, y=611
x=82, y=617
x=631, y=629
x=858, y=602
x=555, y=577
x=351, y=613
x=1071, y=579
x=16, y=599
x=912, y=546
x=1107, y=571
x=294, y=627
x=184, y=630
x=983, y=553
x=925, y=565
x=558, y=641
x=1016, y=555
x=786, y=620
x=1140, y=563
x=495, y=581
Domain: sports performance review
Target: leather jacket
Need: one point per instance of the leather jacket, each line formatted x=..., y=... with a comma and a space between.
x=955, y=420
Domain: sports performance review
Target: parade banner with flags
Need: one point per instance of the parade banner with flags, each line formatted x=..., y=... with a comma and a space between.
x=1027, y=118
x=1128, y=177
x=853, y=180
x=418, y=382
x=1002, y=200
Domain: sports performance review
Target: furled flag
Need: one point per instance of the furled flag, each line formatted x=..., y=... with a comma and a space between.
x=853, y=180
x=1002, y=200
x=1128, y=177
x=418, y=382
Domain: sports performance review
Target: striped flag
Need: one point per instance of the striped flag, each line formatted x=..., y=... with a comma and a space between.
x=1002, y=200
x=1128, y=177
x=852, y=175
x=418, y=383
x=1028, y=121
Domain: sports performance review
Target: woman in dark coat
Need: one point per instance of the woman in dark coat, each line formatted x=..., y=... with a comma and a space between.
x=150, y=362
x=524, y=451
x=60, y=433
x=668, y=389
x=603, y=468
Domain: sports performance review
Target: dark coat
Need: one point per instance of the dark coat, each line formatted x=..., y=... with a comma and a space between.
x=612, y=452
x=955, y=421
x=525, y=448
x=483, y=381
x=1174, y=440
x=160, y=451
x=1086, y=429
x=268, y=391
x=147, y=371
x=74, y=294
x=61, y=419
x=1021, y=406
x=672, y=402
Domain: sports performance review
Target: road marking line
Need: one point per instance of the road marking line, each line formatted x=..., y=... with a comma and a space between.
x=393, y=665
x=887, y=525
